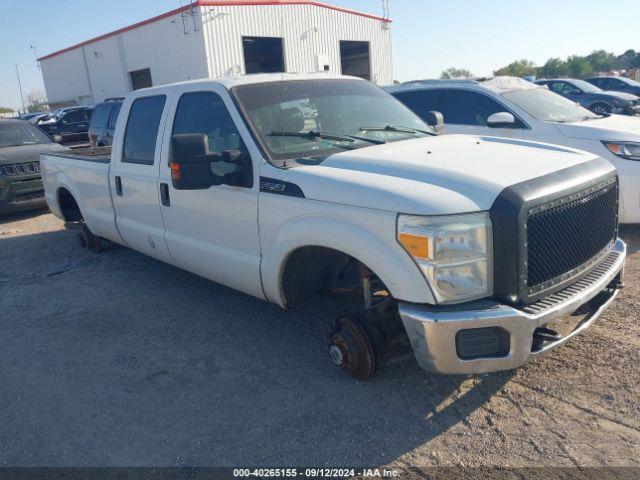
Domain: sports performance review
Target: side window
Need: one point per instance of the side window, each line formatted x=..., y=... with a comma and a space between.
x=618, y=84
x=470, y=108
x=100, y=115
x=74, y=116
x=423, y=101
x=88, y=113
x=113, y=117
x=205, y=112
x=142, y=130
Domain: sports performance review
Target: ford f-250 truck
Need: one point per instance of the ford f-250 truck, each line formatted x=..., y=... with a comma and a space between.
x=483, y=252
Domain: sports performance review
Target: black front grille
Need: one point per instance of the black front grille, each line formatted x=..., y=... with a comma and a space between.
x=20, y=169
x=568, y=235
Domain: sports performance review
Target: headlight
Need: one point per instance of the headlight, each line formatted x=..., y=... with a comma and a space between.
x=454, y=253
x=628, y=150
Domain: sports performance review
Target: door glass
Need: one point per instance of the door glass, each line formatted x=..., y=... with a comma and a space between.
x=424, y=101
x=205, y=112
x=470, y=108
x=142, y=130
x=74, y=116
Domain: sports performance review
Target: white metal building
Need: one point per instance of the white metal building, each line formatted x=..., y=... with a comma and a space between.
x=216, y=38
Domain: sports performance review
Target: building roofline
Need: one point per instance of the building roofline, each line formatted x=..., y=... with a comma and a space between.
x=211, y=3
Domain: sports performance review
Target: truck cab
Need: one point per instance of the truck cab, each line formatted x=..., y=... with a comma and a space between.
x=289, y=186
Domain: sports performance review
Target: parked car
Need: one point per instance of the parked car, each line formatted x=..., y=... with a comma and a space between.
x=514, y=108
x=592, y=97
x=21, y=144
x=229, y=179
x=618, y=84
x=71, y=123
x=103, y=122
x=33, y=116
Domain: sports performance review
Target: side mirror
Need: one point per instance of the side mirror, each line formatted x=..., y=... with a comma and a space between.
x=190, y=162
x=436, y=120
x=194, y=167
x=501, y=120
x=56, y=138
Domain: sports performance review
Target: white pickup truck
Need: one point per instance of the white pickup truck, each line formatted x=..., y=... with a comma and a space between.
x=482, y=252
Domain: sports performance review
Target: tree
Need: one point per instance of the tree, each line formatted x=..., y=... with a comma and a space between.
x=36, y=100
x=519, y=68
x=555, y=67
x=602, y=61
x=453, y=72
x=578, y=67
x=628, y=59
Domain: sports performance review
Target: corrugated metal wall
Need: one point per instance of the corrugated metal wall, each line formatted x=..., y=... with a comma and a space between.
x=307, y=30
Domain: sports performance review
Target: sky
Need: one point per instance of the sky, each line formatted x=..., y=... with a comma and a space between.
x=428, y=35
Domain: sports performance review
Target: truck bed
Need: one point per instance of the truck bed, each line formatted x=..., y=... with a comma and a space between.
x=89, y=154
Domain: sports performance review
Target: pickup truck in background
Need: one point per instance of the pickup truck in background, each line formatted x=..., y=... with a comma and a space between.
x=479, y=252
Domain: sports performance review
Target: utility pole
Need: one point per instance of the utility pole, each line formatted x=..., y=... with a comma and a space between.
x=32, y=47
x=24, y=110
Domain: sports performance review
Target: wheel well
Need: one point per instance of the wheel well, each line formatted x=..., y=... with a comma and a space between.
x=68, y=206
x=313, y=270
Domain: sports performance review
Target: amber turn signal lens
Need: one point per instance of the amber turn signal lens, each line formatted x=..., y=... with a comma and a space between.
x=416, y=245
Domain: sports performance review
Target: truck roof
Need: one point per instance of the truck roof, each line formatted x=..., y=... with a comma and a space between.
x=233, y=81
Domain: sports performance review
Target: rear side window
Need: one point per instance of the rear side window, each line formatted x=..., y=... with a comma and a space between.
x=100, y=115
x=470, y=108
x=205, y=112
x=142, y=130
x=114, y=115
x=423, y=101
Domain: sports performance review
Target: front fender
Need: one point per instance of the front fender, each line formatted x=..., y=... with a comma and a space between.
x=380, y=253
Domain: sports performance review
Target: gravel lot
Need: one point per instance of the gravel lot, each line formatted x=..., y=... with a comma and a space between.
x=118, y=359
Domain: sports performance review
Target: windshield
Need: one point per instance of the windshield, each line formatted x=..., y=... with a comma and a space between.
x=547, y=106
x=307, y=120
x=18, y=134
x=585, y=86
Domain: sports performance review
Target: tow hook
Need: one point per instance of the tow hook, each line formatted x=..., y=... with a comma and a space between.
x=542, y=335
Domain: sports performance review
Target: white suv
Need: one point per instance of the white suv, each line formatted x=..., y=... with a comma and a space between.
x=514, y=108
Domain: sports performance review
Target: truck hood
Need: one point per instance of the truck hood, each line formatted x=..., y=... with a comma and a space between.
x=613, y=127
x=432, y=175
x=27, y=153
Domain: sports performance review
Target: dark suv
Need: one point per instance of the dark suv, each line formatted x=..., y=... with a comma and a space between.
x=103, y=122
x=617, y=84
x=593, y=98
x=71, y=123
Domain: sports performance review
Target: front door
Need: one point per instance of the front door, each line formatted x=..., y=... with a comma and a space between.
x=213, y=231
x=467, y=112
x=134, y=178
x=74, y=125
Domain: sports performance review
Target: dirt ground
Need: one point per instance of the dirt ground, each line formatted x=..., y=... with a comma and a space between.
x=120, y=360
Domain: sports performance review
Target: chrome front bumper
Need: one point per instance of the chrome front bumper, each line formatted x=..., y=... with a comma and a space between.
x=432, y=330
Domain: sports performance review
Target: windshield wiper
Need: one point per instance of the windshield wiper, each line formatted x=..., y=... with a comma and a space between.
x=313, y=134
x=397, y=128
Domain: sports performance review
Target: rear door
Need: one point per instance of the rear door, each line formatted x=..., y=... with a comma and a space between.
x=212, y=231
x=467, y=112
x=134, y=176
